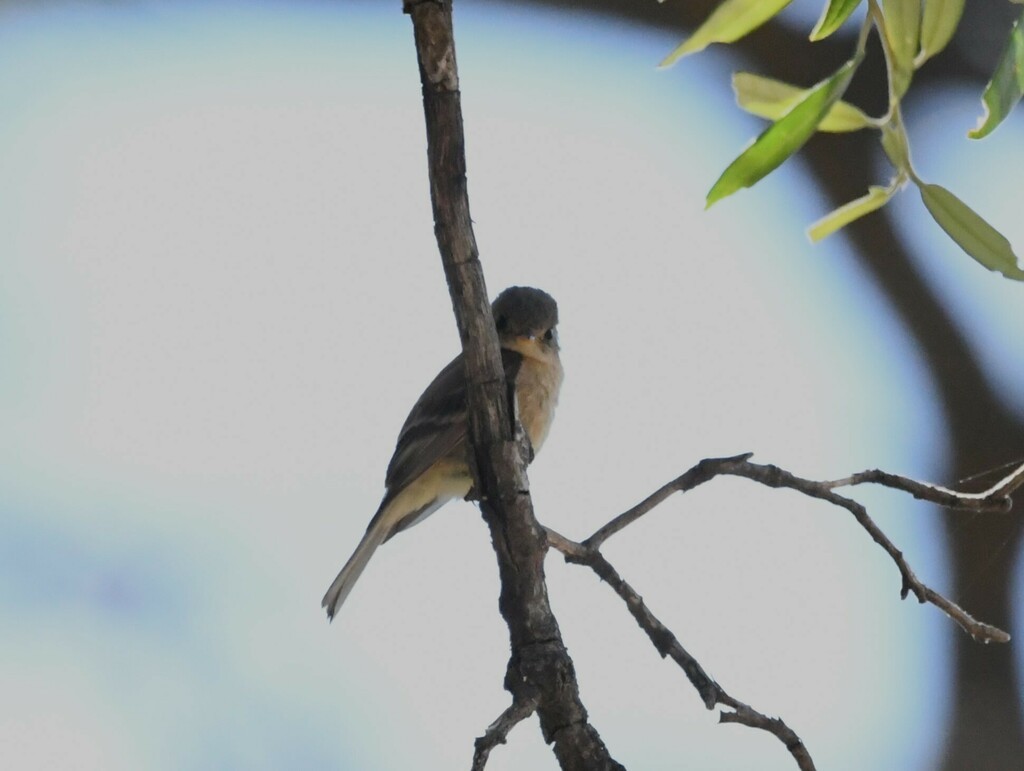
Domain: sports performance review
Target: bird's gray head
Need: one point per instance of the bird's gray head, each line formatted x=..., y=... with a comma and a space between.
x=522, y=311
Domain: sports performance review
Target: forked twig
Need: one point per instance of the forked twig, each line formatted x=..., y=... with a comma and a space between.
x=588, y=552
x=994, y=500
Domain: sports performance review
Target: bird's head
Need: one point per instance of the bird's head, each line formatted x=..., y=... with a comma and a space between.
x=526, y=319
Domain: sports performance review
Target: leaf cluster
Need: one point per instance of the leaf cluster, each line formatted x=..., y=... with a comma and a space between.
x=911, y=32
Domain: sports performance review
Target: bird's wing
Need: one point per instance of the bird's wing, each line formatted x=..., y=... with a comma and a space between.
x=437, y=423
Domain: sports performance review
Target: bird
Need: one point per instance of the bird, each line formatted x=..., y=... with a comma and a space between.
x=431, y=465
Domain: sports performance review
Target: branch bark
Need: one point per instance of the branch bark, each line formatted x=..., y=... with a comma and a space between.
x=540, y=670
x=995, y=499
x=498, y=731
x=588, y=553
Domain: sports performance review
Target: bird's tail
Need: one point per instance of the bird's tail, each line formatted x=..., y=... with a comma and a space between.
x=339, y=590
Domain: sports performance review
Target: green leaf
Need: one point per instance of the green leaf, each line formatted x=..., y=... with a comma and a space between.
x=832, y=18
x=784, y=137
x=1004, y=90
x=902, y=31
x=975, y=236
x=772, y=99
x=728, y=22
x=939, y=22
x=875, y=199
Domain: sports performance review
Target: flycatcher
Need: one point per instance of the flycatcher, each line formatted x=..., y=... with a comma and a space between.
x=430, y=466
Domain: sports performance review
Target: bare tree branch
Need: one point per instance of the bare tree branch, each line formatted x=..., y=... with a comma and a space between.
x=698, y=475
x=748, y=716
x=497, y=732
x=668, y=645
x=540, y=668
x=995, y=499
x=773, y=476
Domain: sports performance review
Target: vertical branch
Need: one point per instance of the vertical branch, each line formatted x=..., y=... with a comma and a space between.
x=540, y=668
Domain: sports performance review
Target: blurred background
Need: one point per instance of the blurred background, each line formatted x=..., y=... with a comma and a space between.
x=220, y=296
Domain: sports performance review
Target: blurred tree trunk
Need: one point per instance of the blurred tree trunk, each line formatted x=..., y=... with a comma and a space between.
x=986, y=725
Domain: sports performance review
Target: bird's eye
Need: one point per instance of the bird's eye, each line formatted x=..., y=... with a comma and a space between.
x=549, y=335
x=501, y=322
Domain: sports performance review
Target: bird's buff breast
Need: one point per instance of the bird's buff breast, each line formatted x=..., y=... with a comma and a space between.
x=537, y=387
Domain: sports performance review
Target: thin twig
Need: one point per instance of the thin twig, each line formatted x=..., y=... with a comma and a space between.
x=773, y=476
x=497, y=732
x=588, y=552
x=746, y=715
x=666, y=643
x=995, y=499
x=698, y=475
